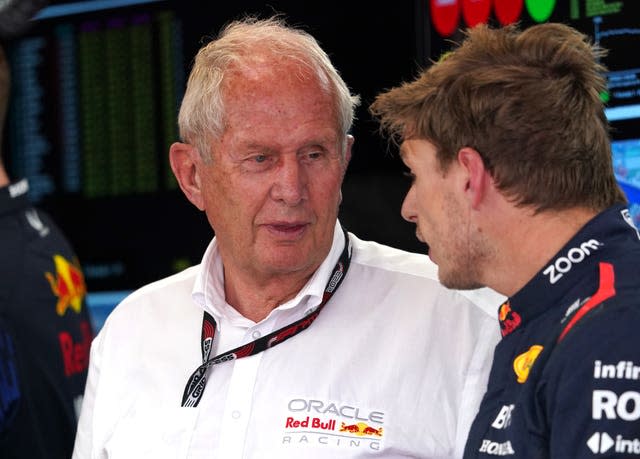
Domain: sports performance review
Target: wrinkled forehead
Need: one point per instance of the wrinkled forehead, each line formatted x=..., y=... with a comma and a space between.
x=280, y=90
x=268, y=64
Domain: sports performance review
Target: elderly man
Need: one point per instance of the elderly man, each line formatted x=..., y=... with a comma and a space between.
x=292, y=338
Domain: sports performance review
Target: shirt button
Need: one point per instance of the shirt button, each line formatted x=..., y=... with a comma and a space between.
x=256, y=334
x=236, y=414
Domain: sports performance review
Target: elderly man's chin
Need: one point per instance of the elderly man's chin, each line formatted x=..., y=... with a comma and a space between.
x=291, y=259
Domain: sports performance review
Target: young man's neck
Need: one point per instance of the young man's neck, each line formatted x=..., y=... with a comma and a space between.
x=529, y=242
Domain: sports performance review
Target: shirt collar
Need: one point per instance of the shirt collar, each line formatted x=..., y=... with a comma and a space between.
x=208, y=290
x=14, y=196
x=570, y=267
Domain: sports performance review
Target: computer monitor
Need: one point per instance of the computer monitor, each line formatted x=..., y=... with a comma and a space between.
x=612, y=24
x=626, y=163
x=96, y=87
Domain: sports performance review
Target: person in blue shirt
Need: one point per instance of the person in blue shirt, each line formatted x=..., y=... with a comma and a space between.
x=45, y=327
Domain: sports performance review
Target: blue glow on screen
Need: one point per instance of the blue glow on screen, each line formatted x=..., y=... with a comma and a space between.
x=67, y=9
x=623, y=112
x=101, y=304
x=626, y=165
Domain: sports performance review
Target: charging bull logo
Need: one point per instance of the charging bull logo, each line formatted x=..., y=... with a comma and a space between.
x=67, y=284
x=361, y=429
x=509, y=320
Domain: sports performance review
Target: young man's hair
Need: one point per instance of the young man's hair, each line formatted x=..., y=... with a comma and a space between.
x=530, y=102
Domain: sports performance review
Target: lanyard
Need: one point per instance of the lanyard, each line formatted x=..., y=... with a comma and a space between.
x=198, y=379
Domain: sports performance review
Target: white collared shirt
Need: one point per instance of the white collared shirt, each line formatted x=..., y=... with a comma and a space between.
x=394, y=366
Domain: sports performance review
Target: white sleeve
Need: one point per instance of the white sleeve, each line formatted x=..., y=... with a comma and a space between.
x=475, y=384
x=84, y=436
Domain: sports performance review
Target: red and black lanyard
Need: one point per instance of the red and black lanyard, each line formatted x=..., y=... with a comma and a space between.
x=198, y=379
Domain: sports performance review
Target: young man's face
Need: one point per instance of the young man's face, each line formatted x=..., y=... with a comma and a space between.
x=435, y=203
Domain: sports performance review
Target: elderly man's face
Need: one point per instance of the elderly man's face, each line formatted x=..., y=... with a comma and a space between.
x=272, y=189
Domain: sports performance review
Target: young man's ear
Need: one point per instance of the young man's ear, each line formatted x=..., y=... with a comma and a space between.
x=477, y=179
x=184, y=159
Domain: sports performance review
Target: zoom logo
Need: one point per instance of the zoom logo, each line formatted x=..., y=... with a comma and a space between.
x=575, y=255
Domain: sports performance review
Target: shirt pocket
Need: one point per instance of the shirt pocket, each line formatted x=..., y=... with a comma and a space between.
x=158, y=433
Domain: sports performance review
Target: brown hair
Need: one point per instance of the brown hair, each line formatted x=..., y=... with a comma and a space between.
x=528, y=101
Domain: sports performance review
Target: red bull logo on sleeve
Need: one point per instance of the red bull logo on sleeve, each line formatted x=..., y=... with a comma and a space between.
x=75, y=353
x=67, y=284
x=509, y=319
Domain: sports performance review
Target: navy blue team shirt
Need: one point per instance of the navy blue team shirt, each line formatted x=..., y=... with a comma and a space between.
x=565, y=380
x=45, y=332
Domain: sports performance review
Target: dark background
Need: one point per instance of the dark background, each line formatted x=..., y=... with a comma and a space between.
x=124, y=242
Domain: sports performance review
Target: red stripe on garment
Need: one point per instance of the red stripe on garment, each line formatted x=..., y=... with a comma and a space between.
x=605, y=291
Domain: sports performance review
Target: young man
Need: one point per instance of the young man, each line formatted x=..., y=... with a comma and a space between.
x=513, y=188
x=316, y=344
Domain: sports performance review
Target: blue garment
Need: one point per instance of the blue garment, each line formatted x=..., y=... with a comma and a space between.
x=45, y=332
x=565, y=380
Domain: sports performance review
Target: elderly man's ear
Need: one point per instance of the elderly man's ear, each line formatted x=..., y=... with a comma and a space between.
x=185, y=162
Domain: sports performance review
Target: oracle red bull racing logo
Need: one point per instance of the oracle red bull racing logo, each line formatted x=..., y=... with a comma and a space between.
x=67, y=284
x=327, y=424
